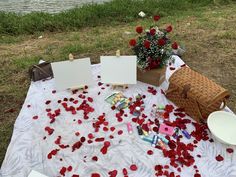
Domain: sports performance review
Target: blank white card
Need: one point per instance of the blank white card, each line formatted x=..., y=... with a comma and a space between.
x=72, y=74
x=119, y=70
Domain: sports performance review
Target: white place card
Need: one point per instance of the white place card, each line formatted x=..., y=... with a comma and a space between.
x=72, y=74
x=119, y=70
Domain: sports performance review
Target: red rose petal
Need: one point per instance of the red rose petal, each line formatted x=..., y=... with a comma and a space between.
x=158, y=167
x=95, y=158
x=35, y=117
x=99, y=139
x=219, y=158
x=77, y=133
x=75, y=175
x=82, y=139
x=69, y=168
x=125, y=172
x=120, y=132
x=63, y=171
x=90, y=99
x=229, y=150
x=149, y=152
x=113, y=173
x=95, y=175
x=133, y=167
x=90, y=136
x=48, y=102
x=107, y=143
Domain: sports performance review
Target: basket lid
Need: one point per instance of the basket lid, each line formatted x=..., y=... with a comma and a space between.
x=198, y=87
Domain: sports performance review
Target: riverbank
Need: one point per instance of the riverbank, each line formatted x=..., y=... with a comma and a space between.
x=90, y=15
x=208, y=34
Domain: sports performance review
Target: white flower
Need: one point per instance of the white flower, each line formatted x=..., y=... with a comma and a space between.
x=142, y=14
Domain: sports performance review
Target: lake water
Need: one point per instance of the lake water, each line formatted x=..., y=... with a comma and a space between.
x=51, y=6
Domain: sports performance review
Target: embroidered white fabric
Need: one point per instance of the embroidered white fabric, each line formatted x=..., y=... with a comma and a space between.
x=28, y=151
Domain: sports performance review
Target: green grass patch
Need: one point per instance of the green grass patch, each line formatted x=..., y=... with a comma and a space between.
x=112, y=12
x=26, y=62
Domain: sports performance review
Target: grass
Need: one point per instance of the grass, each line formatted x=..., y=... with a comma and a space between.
x=116, y=11
x=208, y=34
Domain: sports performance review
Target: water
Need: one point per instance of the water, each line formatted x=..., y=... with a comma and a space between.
x=51, y=6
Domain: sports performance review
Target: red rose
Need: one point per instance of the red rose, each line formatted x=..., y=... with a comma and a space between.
x=153, y=31
x=156, y=18
x=161, y=42
x=174, y=45
x=139, y=29
x=147, y=44
x=132, y=42
x=169, y=29
x=154, y=64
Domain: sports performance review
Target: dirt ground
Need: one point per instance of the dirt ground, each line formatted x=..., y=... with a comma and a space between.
x=209, y=38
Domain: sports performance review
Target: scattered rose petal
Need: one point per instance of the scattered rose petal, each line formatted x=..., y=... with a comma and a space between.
x=63, y=171
x=125, y=172
x=95, y=175
x=149, y=152
x=133, y=167
x=229, y=150
x=69, y=168
x=219, y=158
x=95, y=158
x=113, y=173
x=35, y=117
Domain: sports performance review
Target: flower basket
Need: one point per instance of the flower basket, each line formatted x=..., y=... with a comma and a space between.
x=154, y=77
x=153, y=49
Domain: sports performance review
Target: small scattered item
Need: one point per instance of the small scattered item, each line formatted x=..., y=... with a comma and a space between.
x=157, y=112
x=149, y=127
x=163, y=139
x=129, y=128
x=165, y=129
x=222, y=125
x=36, y=174
x=154, y=140
x=147, y=139
x=161, y=144
x=71, y=57
x=195, y=93
x=186, y=134
x=145, y=133
x=137, y=111
x=41, y=71
x=142, y=14
x=140, y=131
x=118, y=100
x=176, y=133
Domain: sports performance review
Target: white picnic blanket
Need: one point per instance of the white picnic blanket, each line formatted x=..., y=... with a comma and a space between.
x=31, y=145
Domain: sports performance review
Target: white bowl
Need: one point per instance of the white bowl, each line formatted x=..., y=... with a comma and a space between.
x=223, y=126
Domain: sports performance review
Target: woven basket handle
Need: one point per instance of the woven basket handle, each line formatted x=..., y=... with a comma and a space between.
x=224, y=105
x=186, y=88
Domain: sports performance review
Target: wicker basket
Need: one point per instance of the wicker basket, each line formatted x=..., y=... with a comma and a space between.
x=194, y=92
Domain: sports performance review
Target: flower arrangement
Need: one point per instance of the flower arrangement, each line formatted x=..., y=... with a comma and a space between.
x=153, y=48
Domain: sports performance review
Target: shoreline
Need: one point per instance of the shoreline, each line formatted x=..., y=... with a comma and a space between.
x=90, y=15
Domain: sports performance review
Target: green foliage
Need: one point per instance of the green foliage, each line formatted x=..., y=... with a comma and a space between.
x=94, y=15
